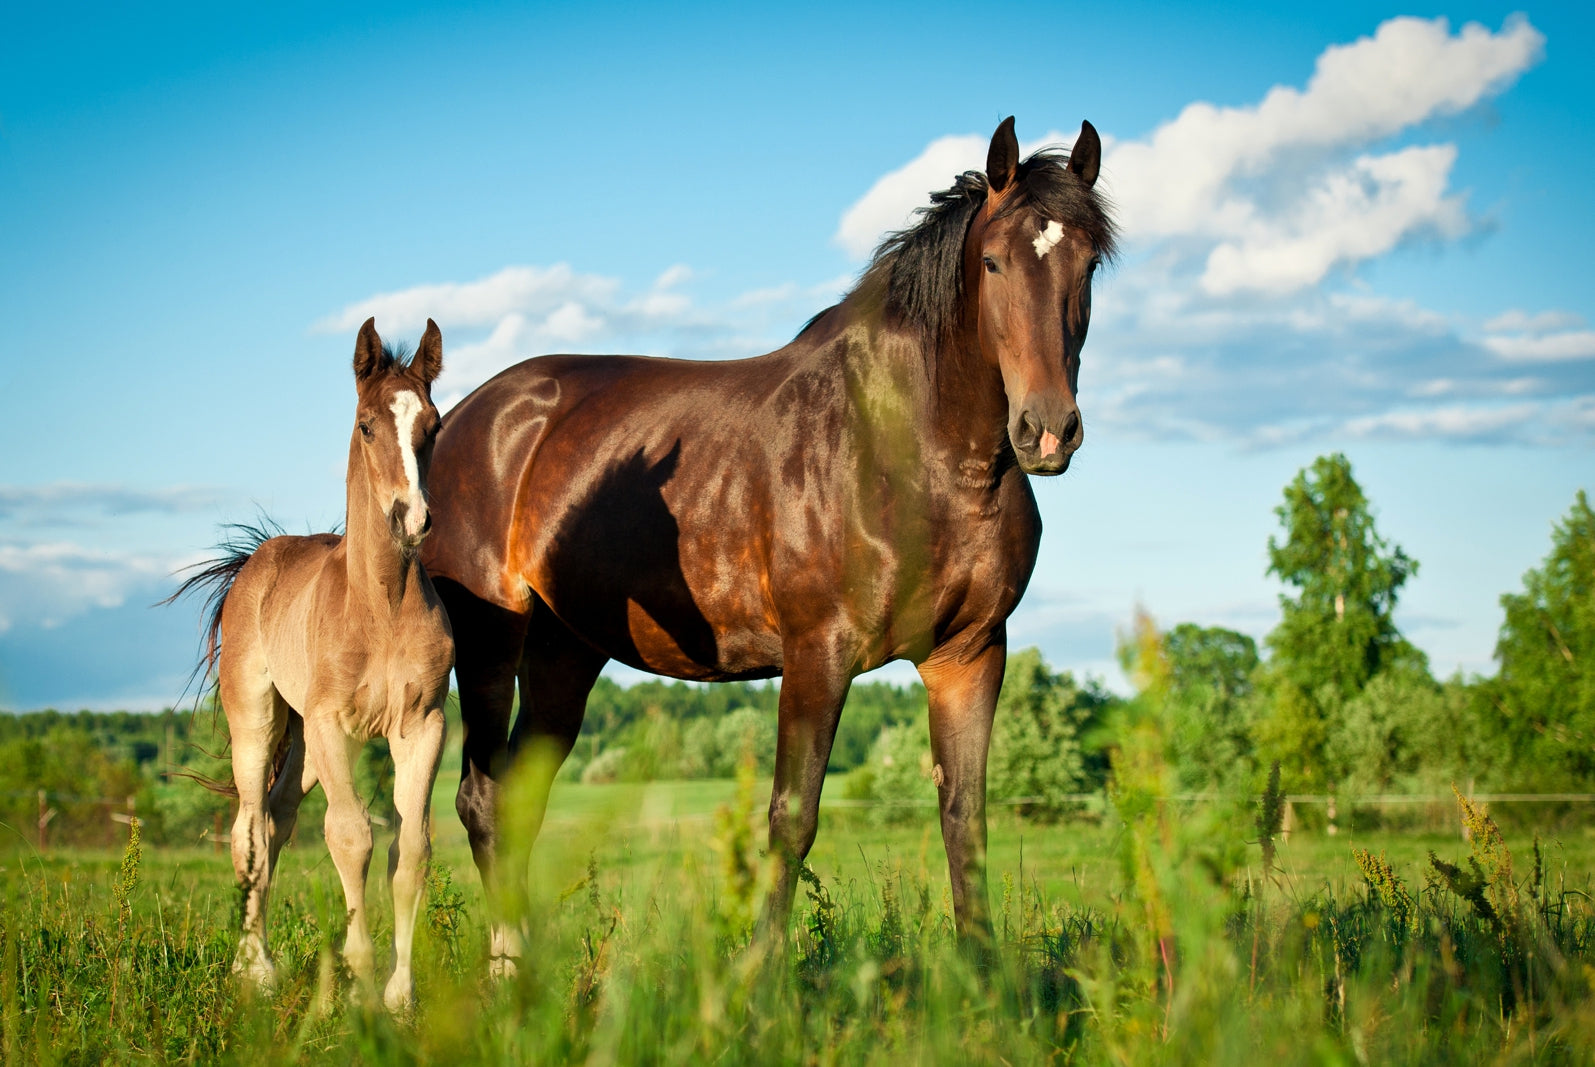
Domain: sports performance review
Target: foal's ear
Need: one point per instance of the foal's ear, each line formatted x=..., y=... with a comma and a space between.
x=1002, y=158
x=367, y=351
x=1085, y=158
x=428, y=361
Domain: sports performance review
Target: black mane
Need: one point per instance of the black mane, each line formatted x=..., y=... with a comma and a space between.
x=916, y=275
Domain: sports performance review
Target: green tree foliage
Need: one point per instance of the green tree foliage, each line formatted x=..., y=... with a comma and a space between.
x=1338, y=629
x=1037, y=749
x=1209, y=681
x=1541, y=704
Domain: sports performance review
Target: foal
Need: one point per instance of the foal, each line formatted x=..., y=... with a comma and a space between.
x=322, y=642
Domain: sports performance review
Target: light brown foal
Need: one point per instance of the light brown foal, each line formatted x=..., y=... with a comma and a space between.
x=323, y=642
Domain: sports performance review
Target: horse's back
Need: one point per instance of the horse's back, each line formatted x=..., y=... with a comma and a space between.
x=268, y=613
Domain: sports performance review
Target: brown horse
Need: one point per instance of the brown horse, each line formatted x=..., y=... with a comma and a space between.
x=855, y=497
x=319, y=643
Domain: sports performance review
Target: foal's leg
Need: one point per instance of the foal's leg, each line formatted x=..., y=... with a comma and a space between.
x=963, y=686
x=348, y=826
x=295, y=779
x=813, y=688
x=415, y=768
x=255, y=723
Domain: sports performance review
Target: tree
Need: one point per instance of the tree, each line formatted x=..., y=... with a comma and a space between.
x=1543, y=697
x=1036, y=748
x=1209, y=678
x=1338, y=630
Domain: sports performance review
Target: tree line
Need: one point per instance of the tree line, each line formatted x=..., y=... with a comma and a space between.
x=1337, y=696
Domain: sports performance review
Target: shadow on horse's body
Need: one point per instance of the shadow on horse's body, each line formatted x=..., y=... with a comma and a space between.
x=855, y=497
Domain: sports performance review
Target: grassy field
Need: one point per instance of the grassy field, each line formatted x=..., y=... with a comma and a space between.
x=1151, y=935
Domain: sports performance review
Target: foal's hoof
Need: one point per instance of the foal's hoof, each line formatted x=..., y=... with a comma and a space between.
x=503, y=968
x=257, y=971
x=399, y=996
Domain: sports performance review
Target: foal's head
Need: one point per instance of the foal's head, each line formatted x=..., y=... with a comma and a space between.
x=395, y=425
x=1029, y=258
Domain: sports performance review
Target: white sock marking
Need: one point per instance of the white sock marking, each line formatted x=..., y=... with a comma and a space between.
x=406, y=408
x=1049, y=237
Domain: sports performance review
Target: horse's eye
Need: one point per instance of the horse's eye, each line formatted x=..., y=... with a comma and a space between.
x=991, y=264
x=1095, y=263
x=365, y=430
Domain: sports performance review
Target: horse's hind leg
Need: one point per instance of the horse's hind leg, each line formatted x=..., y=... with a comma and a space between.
x=487, y=653
x=813, y=688
x=348, y=827
x=415, y=768
x=255, y=720
x=557, y=672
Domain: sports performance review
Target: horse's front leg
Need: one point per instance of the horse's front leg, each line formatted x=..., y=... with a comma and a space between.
x=962, y=683
x=348, y=827
x=813, y=689
x=415, y=768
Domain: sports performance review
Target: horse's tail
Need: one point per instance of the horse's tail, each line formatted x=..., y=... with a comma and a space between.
x=213, y=578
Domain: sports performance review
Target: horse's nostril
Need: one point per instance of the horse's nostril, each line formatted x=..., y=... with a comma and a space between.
x=1071, y=427
x=1029, y=431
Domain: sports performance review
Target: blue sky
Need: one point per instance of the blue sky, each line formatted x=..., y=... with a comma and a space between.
x=1361, y=229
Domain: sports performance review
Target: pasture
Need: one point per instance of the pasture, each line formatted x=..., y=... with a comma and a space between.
x=1148, y=935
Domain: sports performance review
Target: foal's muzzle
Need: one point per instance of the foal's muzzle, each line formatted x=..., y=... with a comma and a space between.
x=400, y=527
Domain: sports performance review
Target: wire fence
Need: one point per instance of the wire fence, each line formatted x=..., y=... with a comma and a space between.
x=103, y=820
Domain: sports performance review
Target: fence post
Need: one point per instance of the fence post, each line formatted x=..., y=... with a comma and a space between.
x=1333, y=829
x=44, y=823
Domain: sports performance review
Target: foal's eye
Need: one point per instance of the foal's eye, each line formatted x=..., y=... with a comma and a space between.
x=991, y=264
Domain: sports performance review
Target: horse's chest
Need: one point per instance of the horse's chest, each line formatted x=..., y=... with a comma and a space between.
x=390, y=691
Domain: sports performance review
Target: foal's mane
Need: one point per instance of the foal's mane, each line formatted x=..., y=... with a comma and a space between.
x=917, y=274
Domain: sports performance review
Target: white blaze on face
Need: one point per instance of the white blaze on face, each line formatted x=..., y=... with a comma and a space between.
x=406, y=408
x=1049, y=237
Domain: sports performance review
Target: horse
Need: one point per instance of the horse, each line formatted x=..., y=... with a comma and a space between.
x=855, y=497
x=320, y=643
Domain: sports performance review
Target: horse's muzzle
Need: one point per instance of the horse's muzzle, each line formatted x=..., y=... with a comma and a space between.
x=1039, y=449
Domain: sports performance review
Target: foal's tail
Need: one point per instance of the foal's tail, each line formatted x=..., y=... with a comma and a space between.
x=214, y=578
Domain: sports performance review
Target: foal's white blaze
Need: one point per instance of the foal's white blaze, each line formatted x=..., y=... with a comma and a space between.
x=406, y=408
x=1049, y=237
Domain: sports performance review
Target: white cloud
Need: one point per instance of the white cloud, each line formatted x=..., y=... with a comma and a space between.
x=1355, y=213
x=1266, y=193
x=524, y=311
x=1550, y=347
x=1457, y=421
x=1519, y=321
x=45, y=584
x=69, y=501
x=484, y=302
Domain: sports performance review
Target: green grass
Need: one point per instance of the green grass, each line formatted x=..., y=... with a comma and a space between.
x=1151, y=936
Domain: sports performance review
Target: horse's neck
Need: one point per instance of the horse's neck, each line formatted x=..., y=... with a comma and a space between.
x=953, y=398
x=378, y=572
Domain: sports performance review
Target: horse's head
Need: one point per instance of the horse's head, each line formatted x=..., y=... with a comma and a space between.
x=395, y=425
x=1028, y=259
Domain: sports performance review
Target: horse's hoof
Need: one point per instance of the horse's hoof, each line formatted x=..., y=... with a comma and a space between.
x=503, y=968
x=399, y=996
x=258, y=972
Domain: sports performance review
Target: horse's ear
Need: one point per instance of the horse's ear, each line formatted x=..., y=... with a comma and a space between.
x=428, y=361
x=1085, y=158
x=367, y=351
x=1002, y=158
